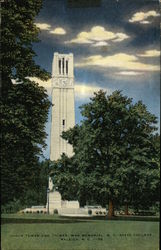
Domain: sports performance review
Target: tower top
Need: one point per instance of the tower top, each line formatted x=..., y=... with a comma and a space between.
x=62, y=65
x=60, y=55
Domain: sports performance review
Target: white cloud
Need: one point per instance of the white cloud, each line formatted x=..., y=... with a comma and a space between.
x=145, y=22
x=84, y=91
x=121, y=61
x=58, y=31
x=150, y=53
x=46, y=26
x=120, y=37
x=142, y=16
x=81, y=38
x=96, y=35
x=43, y=26
x=99, y=44
x=45, y=84
x=129, y=73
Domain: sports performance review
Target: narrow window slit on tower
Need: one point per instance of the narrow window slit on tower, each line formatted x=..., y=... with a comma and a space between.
x=63, y=66
x=67, y=67
x=59, y=66
x=63, y=122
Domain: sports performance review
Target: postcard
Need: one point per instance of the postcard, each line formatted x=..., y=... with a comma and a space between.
x=80, y=125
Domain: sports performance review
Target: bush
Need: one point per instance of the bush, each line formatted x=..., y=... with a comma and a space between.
x=55, y=211
x=12, y=207
x=89, y=212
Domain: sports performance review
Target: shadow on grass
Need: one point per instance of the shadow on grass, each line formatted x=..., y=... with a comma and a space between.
x=135, y=218
x=38, y=221
x=66, y=220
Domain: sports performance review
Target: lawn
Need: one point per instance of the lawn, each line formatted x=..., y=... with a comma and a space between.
x=48, y=232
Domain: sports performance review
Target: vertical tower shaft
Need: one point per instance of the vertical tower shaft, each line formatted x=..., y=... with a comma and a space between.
x=63, y=113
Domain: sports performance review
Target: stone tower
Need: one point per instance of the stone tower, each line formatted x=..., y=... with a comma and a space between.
x=63, y=113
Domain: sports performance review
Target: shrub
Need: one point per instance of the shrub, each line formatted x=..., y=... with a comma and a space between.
x=89, y=212
x=12, y=207
x=55, y=211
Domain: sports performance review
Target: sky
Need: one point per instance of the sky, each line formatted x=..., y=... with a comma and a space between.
x=116, y=46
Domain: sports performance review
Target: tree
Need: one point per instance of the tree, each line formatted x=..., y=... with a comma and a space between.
x=37, y=196
x=64, y=174
x=18, y=34
x=24, y=105
x=141, y=178
x=113, y=150
x=33, y=195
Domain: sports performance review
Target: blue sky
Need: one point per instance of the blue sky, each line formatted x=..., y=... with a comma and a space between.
x=115, y=46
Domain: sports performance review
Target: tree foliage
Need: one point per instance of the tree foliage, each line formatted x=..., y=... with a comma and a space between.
x=64, y=175
x=114, y=155
x=35, y=194
x=24, y=104
x=18, y=34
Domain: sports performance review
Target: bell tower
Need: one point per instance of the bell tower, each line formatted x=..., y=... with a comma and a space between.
x=63, y=112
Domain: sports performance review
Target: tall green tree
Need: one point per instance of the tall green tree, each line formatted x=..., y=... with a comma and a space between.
x=65, y=177
x=17, y=36
x=24, y=105
x=38, y=194
x=113, y=150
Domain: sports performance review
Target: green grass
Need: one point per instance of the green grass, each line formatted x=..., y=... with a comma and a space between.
x=48, y=232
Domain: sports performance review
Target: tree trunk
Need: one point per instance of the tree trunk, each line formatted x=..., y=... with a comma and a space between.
x=126, y=209
x=110, y=209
